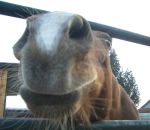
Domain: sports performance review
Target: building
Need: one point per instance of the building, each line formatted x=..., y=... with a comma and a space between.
x=144, y=111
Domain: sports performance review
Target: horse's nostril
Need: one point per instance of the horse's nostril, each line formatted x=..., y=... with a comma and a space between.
x=78, y=28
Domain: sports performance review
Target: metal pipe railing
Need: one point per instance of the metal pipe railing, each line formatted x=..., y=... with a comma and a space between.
x=24, y=12
x=18, y=11
x=29, y=124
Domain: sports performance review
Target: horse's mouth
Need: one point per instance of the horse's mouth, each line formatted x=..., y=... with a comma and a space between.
x=50, y=106
x=49, y=100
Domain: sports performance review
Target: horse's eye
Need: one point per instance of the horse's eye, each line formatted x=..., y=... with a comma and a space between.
x=108, y=42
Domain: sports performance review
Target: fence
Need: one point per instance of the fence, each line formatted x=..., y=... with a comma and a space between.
x=6, y=87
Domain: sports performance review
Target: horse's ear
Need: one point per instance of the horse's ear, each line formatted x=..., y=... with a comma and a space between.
x=20, y=44
x=105, y=37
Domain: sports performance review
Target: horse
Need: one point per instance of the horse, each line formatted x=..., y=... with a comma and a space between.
x=65, y=71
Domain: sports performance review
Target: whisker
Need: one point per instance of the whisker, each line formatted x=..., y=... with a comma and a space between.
x=21, y=16
x=94, y=112
x=72, y=121
x=98, y=99
x=96, y=107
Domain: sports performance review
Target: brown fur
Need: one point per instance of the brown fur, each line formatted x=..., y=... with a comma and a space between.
x=109, y=102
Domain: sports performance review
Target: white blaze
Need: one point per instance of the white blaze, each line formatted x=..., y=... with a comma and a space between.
x=49, y=30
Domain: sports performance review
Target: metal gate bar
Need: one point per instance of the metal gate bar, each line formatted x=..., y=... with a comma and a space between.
x=24, y=12
x=29, y=124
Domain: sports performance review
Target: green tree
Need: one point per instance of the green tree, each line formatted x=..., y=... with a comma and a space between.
x=125, y=78
x=115, y=65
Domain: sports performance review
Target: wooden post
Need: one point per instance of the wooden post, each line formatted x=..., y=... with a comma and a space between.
x=3, y=81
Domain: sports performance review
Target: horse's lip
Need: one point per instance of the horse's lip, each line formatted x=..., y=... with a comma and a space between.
x=37, y=99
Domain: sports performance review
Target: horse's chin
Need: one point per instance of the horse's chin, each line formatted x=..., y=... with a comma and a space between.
x=54, y=113
x=53, y=107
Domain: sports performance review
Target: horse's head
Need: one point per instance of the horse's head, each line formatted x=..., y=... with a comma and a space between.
x=64, y=65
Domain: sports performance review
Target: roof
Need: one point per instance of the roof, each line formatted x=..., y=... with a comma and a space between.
x=146, y=105
x=144, y=110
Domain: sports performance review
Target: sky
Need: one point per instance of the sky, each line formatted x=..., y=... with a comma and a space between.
x=132, y=15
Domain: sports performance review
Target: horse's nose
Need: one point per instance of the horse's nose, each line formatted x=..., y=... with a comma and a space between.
x=47, y=32
x=78, y=28
x=51, y=32
x=55, y=41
